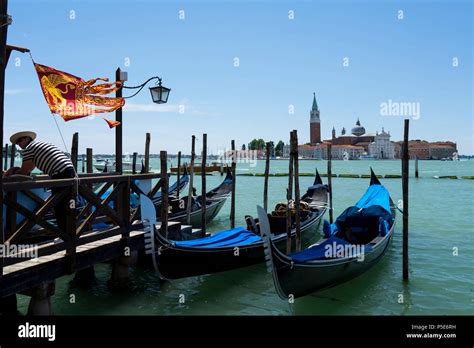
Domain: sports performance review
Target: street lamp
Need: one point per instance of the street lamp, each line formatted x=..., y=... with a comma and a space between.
x=159, y=93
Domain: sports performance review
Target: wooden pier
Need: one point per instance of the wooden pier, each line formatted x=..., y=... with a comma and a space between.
x=103, y=227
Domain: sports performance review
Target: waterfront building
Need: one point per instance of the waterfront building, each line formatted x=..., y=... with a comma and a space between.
x=338, y=151
x=425, y=150
x=358, y=137
x=382, y=147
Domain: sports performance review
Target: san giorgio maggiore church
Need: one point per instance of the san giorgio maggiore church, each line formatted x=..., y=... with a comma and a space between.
x=357, y=145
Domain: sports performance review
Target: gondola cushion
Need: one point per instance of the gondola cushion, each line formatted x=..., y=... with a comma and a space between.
x=329, y=229
x=229, y=238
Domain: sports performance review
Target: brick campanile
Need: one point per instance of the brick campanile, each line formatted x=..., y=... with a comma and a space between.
x=315, y=123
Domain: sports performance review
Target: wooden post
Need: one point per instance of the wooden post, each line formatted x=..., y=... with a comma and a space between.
x=416, y=166
x=203, y=184
x=74, y=150
x=232, y=201
x=405, y=166
x=191, y=176
x=12, y=155
x=267, y=172
x=83, y=163
x=118, y=129
x=90, y=170
x=134, y=163
x=3, y=66
x=289, y=194
x=178, y=179
x=147, y=152
x=5, y=165
x=71, y=231
x=40, y=301
x=90, y=159
x=164, y=193
x=330, y=182
x=297, y=192
x=85, y=278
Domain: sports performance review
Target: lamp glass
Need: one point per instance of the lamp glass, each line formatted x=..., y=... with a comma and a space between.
x=159, y=94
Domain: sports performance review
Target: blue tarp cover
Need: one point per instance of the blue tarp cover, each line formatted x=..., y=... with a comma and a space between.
x=235, y=237
x=318, y=252
x=375, y=203
x=375, y=195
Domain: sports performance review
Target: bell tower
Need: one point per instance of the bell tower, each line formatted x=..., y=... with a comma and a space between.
x=315, y=123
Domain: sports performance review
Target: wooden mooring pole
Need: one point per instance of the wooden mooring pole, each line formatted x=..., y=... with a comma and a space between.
x=85, y=278
x=134, y=162
x=330, y=182
x=416, y=166
x=118, y=129
x=405, y=171
x=12, y=155
x=164, y=193
x=232, y=200
x=90, y=159
x=178, y=180
x=5, y=163
x=74, y=150
x=203, y=183
x=267, y=172
x=191, y=177
x=297, y=191
x=289, y=194
x=147, y=152
x=83, y=163
x=3, y=66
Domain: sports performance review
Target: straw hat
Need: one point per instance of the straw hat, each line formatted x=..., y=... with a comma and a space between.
x=14, y=138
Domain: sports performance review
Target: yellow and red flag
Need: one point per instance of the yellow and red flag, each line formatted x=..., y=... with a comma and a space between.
x=111, y=123
x=71, y=97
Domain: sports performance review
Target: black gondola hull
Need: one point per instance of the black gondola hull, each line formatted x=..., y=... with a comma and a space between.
x=175, y=262
x=299, y=280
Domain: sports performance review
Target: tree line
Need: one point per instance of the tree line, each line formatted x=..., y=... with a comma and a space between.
x=260, y=144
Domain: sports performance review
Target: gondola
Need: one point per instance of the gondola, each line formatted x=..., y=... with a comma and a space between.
x=357, y=240
x=173, y=189
x=238, y=247
x=215, y=199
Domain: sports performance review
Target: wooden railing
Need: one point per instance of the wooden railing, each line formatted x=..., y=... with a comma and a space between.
x=114, y=209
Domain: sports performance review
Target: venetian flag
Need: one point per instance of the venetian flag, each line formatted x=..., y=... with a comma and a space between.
x=71, y=97
x=111, y=123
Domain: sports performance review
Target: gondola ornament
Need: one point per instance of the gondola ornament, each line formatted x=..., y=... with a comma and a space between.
x=148, y=214
x=266, y=237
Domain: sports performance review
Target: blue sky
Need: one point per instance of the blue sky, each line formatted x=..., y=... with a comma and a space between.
x=282, y=61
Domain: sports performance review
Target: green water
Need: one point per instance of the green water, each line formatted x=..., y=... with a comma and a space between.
x=441, y=218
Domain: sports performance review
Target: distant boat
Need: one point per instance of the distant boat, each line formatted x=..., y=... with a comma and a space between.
x=366, y=157
x=126, y=166
x=213, y=167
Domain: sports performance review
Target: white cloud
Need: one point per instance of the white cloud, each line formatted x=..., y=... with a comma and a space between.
x=132, y=107
x=15, y=91
x=178, y=108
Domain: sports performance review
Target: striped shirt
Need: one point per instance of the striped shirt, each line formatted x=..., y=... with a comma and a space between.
x=47, y=157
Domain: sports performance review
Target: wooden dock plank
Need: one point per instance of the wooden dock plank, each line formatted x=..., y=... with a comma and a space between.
x=23, y=275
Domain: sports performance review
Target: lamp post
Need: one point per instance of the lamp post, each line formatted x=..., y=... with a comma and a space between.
x=159, y=95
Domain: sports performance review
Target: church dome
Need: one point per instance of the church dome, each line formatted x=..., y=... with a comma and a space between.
x=358, y=130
